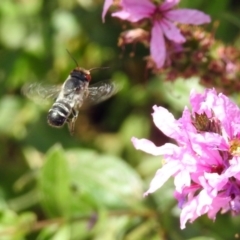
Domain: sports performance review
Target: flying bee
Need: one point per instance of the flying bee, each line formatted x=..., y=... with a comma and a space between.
x=69, y=97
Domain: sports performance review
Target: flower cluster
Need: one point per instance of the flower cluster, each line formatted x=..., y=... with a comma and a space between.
x=205, y=162
x=161, y=18
x=216, y=64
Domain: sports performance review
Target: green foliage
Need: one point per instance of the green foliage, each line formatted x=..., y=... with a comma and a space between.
x=90, y=185
x=83, y=180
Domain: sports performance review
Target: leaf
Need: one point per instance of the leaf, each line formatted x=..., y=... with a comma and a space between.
x=107, y=179
x=176, y=93
x=81, y=182
x=116, y=226
x=54, y=183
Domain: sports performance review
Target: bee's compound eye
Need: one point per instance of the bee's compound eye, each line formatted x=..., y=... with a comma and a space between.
x=88, y=77
x=56, y=119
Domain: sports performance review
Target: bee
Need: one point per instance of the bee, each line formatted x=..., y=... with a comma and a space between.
x=70, y=97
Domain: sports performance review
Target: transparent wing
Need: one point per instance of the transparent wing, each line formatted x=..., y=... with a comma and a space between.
x=101, y=91
x=39, y=91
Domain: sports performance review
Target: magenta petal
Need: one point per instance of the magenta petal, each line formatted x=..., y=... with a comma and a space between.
x=188, y=16
x=106, y=6
x=233, y=170
x=138, y=7
x=162, y=175
x=172, y=32
x=149, y=147
x=122, y=15
x=235, y=205
x=165, y=121
x=196, y=207
x=218, y=203
x=181, y=180
x=215, y=180
x=133, y=10
x=168, y=4
x=125, y=15
x=157, y=45
x=205, y=163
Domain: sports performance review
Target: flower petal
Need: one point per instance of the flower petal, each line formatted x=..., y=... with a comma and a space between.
x=165, y=121
x=123, y=14
x=218, y=203
x=181, y=180
x=205, y=164
x=196, y=207
x=235, y=205
x=138, y=6
x=106, y=6
x=168, y=4
x=149, y=147
x=133, y=10
x=215, y=180
x=162, y=175
x=157, y=45
x=188, y=16
x=171, y=31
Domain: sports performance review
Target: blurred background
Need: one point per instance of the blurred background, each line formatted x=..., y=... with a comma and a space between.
x=90, y=185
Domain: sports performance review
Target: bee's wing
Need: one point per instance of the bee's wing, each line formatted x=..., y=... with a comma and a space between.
x=101, y=91
x=40, y=92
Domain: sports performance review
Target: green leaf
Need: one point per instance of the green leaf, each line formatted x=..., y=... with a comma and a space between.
x=176, y=93
x=15, y=227
x=81, y=182
x=107, y=179
x=54, y=182
x=115, y=227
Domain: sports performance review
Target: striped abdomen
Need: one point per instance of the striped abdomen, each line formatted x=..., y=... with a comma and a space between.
x=59, y=113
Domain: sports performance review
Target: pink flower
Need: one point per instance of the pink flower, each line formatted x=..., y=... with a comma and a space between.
x=106, y=6
x=162, y=17
x=205, y=163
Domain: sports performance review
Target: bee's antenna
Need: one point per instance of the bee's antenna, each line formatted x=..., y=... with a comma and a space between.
x=72, y=58
x=98, y=68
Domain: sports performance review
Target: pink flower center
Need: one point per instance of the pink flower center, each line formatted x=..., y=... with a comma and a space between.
x=160, y=14
x=217, y=169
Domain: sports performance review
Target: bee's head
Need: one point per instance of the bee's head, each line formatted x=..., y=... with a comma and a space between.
x=81, y=73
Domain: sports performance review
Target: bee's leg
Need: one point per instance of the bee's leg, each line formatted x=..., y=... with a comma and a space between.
x=71, y=121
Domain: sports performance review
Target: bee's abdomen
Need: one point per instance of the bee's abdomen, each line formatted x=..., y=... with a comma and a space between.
x=59, y=113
